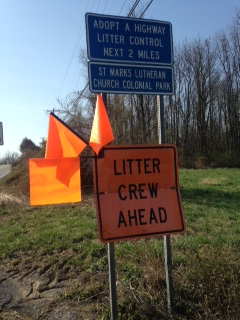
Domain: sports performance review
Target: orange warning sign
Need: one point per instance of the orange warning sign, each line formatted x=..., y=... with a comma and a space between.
x=137, y=192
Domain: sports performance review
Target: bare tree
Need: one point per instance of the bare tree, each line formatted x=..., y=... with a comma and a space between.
x=9, y=158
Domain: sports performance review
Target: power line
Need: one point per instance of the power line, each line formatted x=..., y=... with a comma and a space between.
x=133, y=8
x=91, y=6
x=113, y=5
x=122, y=7
x=79, y=36
x=105, y=6
x=70, y=62
x=98, y=5
x=146, y=8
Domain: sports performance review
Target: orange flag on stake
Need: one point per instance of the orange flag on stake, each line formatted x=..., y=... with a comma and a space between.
x=62, y=141
x=101, y=133
x=54, y=181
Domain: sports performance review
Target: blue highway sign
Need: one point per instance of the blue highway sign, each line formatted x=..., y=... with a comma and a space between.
x=125, y=78
x=128, y=40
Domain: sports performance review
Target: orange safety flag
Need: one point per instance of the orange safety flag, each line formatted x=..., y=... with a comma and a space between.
x=62, y=141
x=54, y=181
x=101, y=133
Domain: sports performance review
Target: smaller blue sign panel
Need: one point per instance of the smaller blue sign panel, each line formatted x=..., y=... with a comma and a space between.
x=120, y=39
x=132, y=79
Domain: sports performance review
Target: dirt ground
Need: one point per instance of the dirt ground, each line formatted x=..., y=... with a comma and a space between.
x=35, y=291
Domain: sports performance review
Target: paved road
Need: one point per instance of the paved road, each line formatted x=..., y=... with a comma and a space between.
x=4, y=170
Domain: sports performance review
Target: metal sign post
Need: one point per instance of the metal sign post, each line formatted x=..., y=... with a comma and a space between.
x=111, y=263
x=167, y=243
x=112, y=280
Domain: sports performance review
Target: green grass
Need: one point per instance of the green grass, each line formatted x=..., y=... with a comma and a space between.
x=211, y=201
x=206, y=258
x=46, y=229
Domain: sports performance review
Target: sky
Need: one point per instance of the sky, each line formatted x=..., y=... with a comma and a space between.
x=40, y=41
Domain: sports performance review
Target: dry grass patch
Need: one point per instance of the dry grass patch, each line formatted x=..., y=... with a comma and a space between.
x=10, y=199
x=213, y=181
